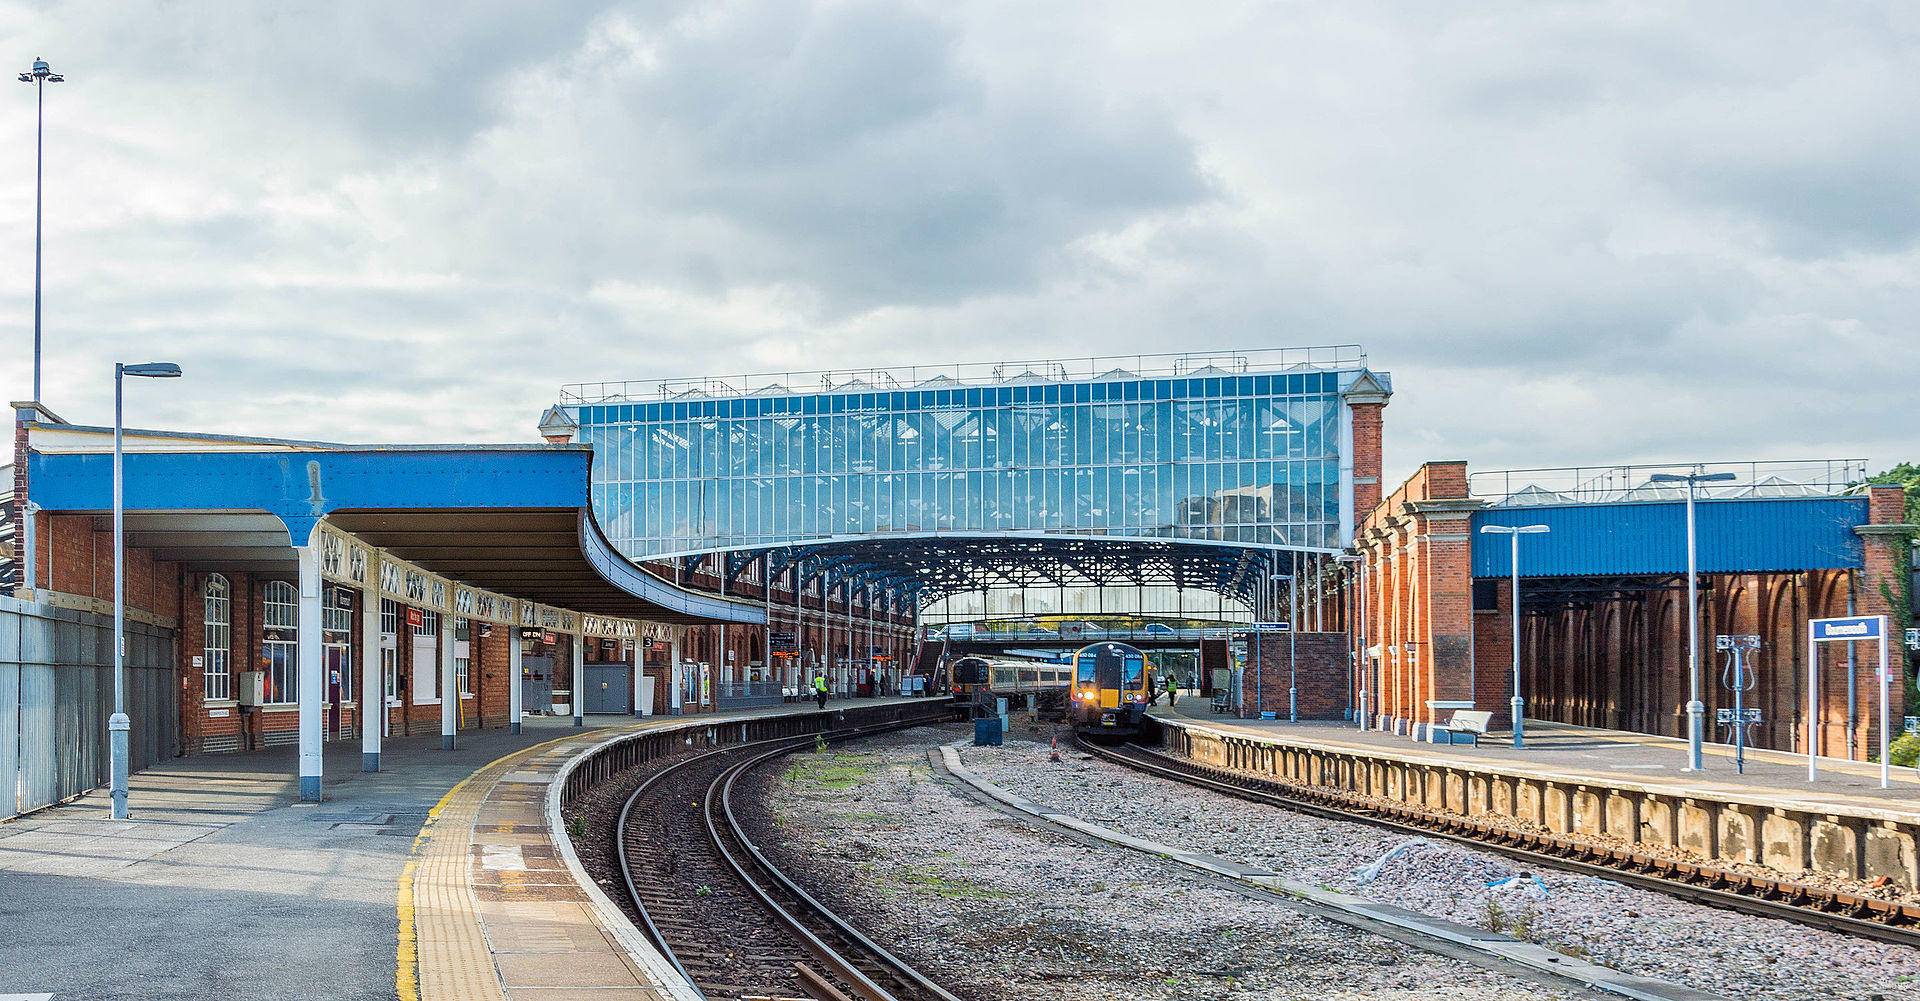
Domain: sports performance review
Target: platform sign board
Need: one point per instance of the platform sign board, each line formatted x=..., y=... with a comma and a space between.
x=1848, y=629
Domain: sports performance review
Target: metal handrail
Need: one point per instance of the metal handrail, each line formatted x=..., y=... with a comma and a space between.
x=1318, y=358
x=1633, y=482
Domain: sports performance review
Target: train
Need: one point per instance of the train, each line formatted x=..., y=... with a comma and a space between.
x=1113, y=685
x=975, y=676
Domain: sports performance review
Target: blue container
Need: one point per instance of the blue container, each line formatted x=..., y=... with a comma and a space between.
x=986, y=732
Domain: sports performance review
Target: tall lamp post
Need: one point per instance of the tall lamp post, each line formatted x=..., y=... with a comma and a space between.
x=117, y=724
x=1696, y=709
x=40, y=75
x=1513, y=534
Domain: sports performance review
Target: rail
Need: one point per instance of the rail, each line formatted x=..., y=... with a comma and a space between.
x=603, y=761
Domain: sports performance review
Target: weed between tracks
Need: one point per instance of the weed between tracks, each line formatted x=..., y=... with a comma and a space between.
x=835, y=770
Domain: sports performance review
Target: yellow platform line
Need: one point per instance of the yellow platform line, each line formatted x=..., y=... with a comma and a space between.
x=441, y=950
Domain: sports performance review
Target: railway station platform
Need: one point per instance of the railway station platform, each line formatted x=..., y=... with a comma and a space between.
x=1591, y=754
x=434, y=878
x=1607, y=787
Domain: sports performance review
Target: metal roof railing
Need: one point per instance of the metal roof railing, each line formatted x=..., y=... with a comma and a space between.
x=1772, y=478
x=1175, y=365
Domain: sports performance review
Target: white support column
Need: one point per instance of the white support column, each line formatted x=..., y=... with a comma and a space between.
x=516, y=681
x=373, y=687
x=449, y=692
x=312, y=684
x=639, y=673
x=579, y=645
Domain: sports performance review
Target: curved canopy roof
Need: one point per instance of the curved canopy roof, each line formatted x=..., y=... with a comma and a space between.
x=509, y=518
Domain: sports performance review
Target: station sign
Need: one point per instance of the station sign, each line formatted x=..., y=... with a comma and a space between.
x=415, y=619
x=782, y=640
x=1847, y=629
x=1857, y=627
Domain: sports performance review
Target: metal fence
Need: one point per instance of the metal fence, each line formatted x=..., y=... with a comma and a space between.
x=56, y=692
x=1614, y=484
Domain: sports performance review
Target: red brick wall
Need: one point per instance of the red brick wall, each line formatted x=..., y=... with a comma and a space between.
x=1416, y=546
x=1319, y=675
x=1368, y=455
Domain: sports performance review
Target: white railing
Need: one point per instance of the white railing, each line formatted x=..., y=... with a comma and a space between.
x=1613, y=484
x=1177, y=365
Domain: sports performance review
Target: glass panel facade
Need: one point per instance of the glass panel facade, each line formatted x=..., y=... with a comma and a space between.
x=1234, y=457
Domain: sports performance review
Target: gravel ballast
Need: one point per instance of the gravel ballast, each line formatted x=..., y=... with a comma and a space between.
x=995, y=908
x=1633, y=930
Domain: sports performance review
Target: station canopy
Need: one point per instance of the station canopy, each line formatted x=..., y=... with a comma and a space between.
x=514, y=519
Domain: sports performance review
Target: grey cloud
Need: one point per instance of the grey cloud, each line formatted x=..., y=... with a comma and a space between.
x=1574, y=233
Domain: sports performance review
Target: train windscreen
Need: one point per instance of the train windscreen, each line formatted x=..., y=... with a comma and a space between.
x=970, y=671
x=1136, y=666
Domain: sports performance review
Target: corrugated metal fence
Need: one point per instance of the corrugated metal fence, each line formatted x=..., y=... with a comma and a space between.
x=56, y=692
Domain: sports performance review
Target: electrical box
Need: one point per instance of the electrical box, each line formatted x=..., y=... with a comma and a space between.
x=253, y=688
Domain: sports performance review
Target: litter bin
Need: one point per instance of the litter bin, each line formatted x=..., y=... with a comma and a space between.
x=986, y=732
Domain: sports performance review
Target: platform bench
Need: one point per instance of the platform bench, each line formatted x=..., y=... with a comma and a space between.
x=1466, y=727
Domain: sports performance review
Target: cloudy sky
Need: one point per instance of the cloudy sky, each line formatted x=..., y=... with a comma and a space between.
x=1574, y=233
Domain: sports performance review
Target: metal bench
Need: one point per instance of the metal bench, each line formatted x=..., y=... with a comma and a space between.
x=1466, y=727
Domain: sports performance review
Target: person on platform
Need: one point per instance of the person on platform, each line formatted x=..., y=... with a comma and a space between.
x=1173, y=689
x=820, y=689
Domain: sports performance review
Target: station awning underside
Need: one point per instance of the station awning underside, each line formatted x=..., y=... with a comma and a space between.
x=931, y=567
x=513, y=519
x=1643, y=544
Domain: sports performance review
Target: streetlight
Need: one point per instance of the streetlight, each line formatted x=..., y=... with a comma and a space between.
x=1696, y=709
x=117, y=724
x=1513, y=534
x=40, y=75
x=1354, y=665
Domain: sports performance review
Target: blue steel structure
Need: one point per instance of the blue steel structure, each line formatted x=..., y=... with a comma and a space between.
x=1625, y=538
x=512, y=518
x=1183, y=469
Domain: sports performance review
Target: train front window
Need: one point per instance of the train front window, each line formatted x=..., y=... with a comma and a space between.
x=1135, y=666
x=1086, y=664
x=970, y=672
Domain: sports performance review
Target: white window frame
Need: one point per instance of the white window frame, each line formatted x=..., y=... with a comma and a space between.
x=216, y=639
x=463, y=657
x=336, y=633
x=280, y=602
x=390, y=647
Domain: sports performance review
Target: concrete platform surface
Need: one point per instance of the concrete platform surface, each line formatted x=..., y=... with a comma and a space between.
x=1613, y=756
x=224, y=885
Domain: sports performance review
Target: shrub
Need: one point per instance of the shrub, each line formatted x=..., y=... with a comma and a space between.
x=1905, y=752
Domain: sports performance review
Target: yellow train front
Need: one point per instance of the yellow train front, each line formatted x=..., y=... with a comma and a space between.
x=1112, y=683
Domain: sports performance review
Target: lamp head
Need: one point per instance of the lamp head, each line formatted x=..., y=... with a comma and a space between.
x=153, y=370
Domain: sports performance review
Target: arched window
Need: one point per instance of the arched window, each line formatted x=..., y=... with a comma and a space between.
x=216, y=646
x=278, y=649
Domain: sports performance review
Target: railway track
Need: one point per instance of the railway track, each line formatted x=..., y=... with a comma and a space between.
x=731, y=922
x=1887, y=921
